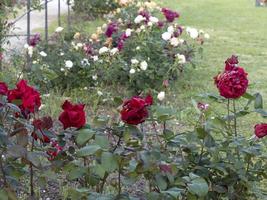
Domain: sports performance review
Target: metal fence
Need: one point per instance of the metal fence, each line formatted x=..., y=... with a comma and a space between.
x=44, y=5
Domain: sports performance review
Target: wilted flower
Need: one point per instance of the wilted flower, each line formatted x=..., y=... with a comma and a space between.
x=77, y=35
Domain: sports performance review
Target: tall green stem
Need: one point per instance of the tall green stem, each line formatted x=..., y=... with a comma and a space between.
x=235, y=120
x=2, y=170
x=31, y=172
x=228, y=117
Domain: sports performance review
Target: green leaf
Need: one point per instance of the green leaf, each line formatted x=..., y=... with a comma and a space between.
x=76, y=173
x=174, y=192
x=99, y=170
x=84, y=135
x=109, y=162
x=88, y=150
x=102, y=141
x=198, y=186
x=258, y=101
x=161, y=182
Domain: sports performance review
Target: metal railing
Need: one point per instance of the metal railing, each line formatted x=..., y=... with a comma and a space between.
x=44, y=5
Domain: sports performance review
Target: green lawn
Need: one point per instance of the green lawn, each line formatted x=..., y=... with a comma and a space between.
x=236, y=27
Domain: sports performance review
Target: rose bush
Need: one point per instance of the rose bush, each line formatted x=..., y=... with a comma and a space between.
x=120, y=51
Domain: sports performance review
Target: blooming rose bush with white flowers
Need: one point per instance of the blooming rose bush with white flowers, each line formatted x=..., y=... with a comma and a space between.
x=139, y=47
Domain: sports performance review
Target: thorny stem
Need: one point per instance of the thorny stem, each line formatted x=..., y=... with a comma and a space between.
x=31, y=172
x=3, y=171
x=106, y=174
x=119, y=179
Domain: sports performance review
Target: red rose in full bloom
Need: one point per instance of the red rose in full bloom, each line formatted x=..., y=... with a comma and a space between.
x=231, y=63
x=29, y=96
x=40, y=125
x=134, y=111
x=260, y=130
x=3, y=88
x=169, y=14
x=73, y=115
x=232, y=84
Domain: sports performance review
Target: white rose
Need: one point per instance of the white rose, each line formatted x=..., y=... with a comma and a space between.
x=192, y=32
x=103, y=50
x=42, y=53
x=26, y=46
x=166, y=36
x=143, y=65
x=134, y=61
x=114, y=51
x=94, y=77
x=174, y=42
x=95, y=58
x=99, y=93
x=161, y=96
x=207, y=36
x=68, y=64
x=137, y=48
x=132, y=71
x=150, y=24
x=139, y=19
x=153, y=19
x=171, y=29
x=80, y=45
x=181, y=58
x=59, y=29
x=62, y=54
x=62, y=69
x=142, y=27
x=128, y=32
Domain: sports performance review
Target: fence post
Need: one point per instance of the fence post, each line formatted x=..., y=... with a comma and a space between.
x=59, y=20
x=46, y=21
x=28, y=31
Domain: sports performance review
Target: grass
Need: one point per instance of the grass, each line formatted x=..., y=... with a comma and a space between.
x=236, y=27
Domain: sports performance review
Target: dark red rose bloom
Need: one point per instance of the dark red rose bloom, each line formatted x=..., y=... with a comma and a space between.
x=54, y=151
x=3, y=88
x=232, y=84
x=260, y=130
x=134, y=111
x=29, y=96
x=160, y=24
x=178, y=32
x=145, y=14
x=73, y=115
x=40, y=125
x=35, y=39
x=231, y=63
x=169, y=14
x=112, y=28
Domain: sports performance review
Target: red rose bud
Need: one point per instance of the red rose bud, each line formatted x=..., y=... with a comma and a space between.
x=40, y=125
x=3, y=88
x=134, y=111
x=35, y=40
x=169, y=14
x=231, y=63
x=29, y=96
x=53, y=153
x=232, y=84
x=260, y=130
x=202, y=106
x=73, y=115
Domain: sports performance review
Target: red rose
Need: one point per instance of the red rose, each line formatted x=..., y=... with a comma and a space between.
x=3, y=88
x=134, y=110
x=169, y=14
x=30, y=97
x=232, y=84
x=260, y=130
x=73, y=115
x=112, y=28
x=40, y=125
x=231, y=63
